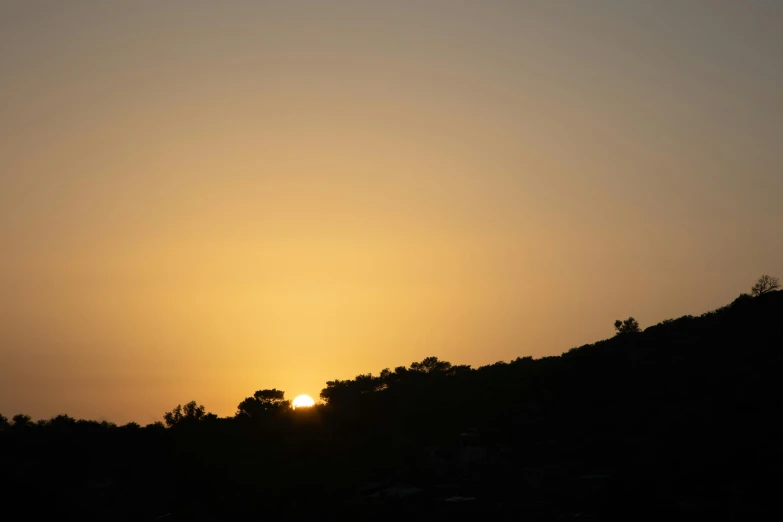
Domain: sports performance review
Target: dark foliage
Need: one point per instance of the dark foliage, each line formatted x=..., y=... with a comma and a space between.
x=263, y=404
x=190, y=413
x=629, y=326
x=679, y=421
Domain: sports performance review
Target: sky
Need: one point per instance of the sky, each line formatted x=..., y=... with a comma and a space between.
x=202, y=199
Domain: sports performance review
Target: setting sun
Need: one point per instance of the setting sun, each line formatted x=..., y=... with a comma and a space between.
x=303, y=401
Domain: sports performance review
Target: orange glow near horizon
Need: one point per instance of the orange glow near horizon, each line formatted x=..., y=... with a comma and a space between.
x=201, y=201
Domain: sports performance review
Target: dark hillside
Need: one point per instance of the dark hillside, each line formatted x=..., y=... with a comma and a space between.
x=684, y=413
x=679, y=421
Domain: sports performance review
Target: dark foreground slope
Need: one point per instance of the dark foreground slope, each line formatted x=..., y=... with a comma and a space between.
x=677, y=422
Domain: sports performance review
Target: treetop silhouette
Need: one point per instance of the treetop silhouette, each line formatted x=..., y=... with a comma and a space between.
x=627, y=326
x=765, y=284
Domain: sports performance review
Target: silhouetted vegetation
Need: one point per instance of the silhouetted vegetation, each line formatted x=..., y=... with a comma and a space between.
x=262, y=404
x=765, y=283
x=679, y=421
x=628, y=326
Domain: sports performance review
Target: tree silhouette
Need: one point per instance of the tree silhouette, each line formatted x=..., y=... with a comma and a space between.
x=262, y=403
x=22, y=421
x=191, y=412
x=62, y=422
x=764, y=284
x=3, y=422
x=628, y=326
x=430, y=365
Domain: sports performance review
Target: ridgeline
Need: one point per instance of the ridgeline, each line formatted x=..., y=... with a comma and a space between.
x=679, y=421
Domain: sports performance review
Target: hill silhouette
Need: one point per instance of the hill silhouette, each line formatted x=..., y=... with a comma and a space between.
x=678, y=421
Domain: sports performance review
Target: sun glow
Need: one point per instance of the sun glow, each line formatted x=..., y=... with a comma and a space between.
x=303, y=401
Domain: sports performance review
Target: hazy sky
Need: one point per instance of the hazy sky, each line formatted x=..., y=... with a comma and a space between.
x=202, y=199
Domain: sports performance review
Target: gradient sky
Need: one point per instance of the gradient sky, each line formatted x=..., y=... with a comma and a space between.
x=202, y=199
